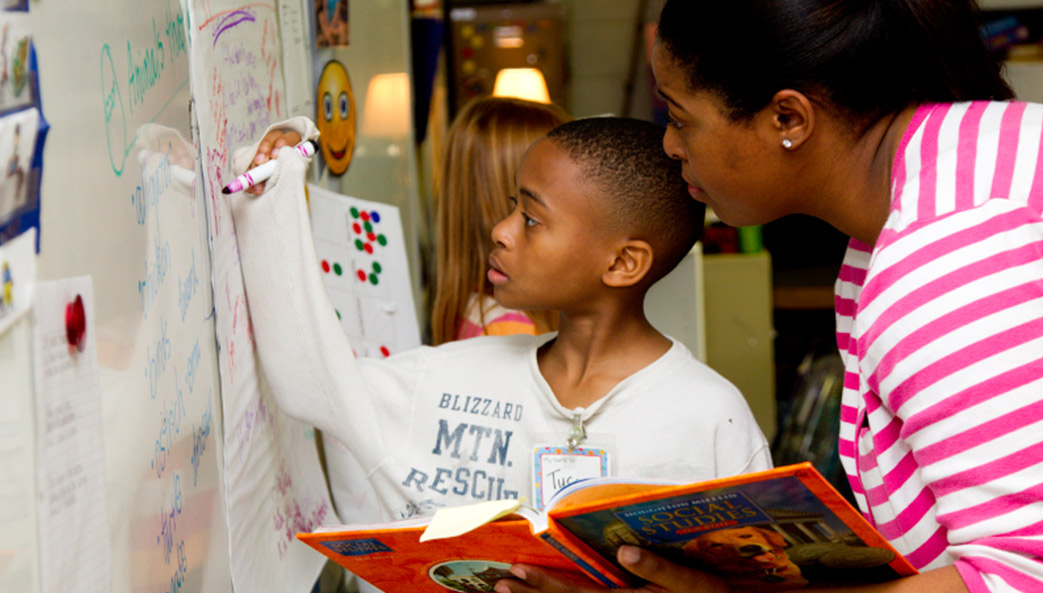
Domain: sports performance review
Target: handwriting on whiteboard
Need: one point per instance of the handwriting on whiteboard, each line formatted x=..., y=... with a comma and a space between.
x=145, y=67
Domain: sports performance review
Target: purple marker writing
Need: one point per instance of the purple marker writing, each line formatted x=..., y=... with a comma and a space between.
x=263, y=171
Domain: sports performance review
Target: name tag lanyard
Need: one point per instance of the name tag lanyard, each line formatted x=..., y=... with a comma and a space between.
x=556, y=466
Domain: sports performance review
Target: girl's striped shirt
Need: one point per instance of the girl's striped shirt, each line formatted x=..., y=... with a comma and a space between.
x=941, y=328
x=485, y=317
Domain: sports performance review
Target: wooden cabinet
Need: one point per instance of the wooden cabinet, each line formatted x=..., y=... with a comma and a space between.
x=739, y=330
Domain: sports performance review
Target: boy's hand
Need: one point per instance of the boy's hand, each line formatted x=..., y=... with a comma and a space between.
x=662, y=575
x=270, y=145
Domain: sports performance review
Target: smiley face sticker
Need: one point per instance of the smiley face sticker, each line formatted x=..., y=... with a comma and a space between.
x=336, y=117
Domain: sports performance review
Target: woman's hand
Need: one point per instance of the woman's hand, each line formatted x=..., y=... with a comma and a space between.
x=662, y=575
x=270, y=145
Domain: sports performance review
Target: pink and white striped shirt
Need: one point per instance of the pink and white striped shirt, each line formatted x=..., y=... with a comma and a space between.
x=941, y=328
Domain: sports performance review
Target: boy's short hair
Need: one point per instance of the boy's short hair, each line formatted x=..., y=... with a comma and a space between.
x=643, y=189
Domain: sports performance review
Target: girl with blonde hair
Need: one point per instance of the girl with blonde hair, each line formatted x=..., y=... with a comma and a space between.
x=484, y=147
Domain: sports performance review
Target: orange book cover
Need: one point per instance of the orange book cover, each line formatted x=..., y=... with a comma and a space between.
x=785, y=528
x=394, y=559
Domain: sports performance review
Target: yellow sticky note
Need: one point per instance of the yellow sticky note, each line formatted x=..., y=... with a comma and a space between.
x=455, y=521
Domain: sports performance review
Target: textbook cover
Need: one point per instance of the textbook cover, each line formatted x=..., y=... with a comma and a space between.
x=781, y=529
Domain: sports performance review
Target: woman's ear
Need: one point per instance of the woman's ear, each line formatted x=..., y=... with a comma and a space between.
x=632, y=263
x=792, y=118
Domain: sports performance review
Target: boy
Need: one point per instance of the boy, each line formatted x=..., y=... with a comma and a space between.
x=600, y=214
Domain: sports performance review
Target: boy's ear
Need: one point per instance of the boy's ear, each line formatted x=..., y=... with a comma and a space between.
x=632, y=263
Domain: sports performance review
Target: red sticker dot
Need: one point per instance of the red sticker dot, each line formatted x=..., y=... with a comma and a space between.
x=326, y=266
x=368, y=247
x=371, y=236
x=385, y=351
x=361, y=275
x=357, y=228
x=364, y=215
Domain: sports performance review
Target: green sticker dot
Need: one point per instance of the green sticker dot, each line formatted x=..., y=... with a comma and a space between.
x=382, y=240
x=373, y=279
x=377, y=268
x=337, y=269
x=354, y=212
x=359, y=244
x=369, y=227
x=338, y=313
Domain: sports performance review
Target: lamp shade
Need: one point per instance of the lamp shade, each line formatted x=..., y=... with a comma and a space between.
x=387, y=112
x=521, y=83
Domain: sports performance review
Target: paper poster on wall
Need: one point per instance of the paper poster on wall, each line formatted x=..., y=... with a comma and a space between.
x=274, y=482
x=336, y=117
x=72, y=509
x=362, y=256
x=17, y=141
x=17, y=275
x=20, y=138
x=296, y=59
x=331, y=23
x=19, y=569
x=19, y=557
x=15, y=47
x=15, y=5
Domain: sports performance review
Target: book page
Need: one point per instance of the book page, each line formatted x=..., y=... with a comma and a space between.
x=454, y=521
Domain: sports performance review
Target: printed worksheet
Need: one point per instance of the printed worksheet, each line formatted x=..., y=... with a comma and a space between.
x=70, y=470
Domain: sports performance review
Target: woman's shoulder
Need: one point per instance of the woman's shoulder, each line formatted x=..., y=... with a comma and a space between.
x=956, y=158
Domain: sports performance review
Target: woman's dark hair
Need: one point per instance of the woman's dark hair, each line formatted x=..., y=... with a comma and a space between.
x=863, y=58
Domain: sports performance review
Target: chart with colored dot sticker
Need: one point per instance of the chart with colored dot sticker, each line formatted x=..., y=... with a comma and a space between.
x=362, y=258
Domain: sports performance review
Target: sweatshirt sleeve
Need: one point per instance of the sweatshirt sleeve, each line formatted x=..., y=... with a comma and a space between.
x=309, y=363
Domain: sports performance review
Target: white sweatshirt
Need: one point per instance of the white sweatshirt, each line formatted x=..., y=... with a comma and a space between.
x=458, y=423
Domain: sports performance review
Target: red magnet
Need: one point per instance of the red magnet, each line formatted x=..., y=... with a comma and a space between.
x=75, y=324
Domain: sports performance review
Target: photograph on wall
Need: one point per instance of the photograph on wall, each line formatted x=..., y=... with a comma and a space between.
x=13, y=5
x=18, y=187
x=331, y=23
x=15, y=71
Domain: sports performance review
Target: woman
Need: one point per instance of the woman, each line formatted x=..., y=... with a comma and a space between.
x=888, y=119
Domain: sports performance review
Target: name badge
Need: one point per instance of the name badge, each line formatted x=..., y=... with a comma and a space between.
x=556, y=467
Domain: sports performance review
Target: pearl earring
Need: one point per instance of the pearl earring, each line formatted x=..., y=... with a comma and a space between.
x=787, y=143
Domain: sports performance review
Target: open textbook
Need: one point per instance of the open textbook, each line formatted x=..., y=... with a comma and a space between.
x=780, y=529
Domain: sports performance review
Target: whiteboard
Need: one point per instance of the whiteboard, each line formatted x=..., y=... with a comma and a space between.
x=119, y=204
x=274, y=481
x=205, y=481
